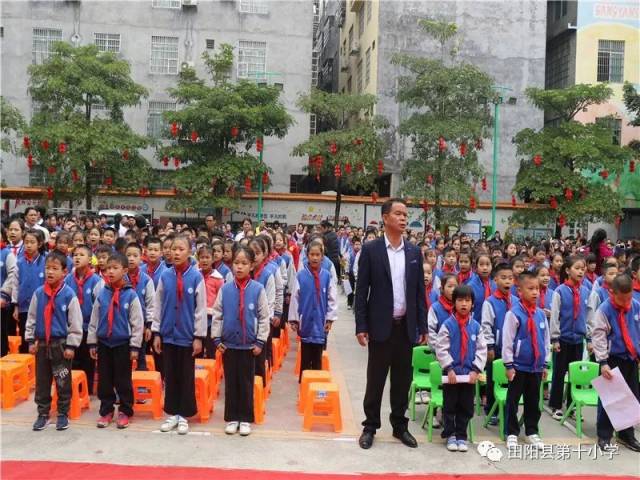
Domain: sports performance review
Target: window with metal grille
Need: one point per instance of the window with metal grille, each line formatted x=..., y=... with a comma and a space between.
x=610, y=61
x=156, y=123
x=615, y=125
x=100, y=110
x=164, y=55
x=557, y=62
x=252, y=60
x=359, y=77
x=211, y=44
x=253, y=6
x=107, y=42
x=43, y=39
x=367, y=67
x=166, y=3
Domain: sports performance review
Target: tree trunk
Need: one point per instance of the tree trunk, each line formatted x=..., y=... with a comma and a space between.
x=87, y=193
x=437, y=207
x=338, y=202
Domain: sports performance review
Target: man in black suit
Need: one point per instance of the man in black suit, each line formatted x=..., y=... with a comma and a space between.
x=391, y=317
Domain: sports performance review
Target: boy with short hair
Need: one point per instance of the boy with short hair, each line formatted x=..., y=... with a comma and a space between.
x=53, y=331
x=525, y=350
x=450, y=264
x=114, y=338
x=635, y=275
x=154, y=266
x=616, y=343
x=102, y=253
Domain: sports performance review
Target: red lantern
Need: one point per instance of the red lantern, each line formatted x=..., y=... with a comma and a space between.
x=174, y=129
x=51, y=170
x=29, y=161
x=259, y=144
x=374, y=197
x=479, y=144
x=425, y=206
x=125, y=154
x=553, y=203
x=430, y=179
x=108, y=181
x=50, y=193
x=175, y=190
x=141, y=192
x=442, y=145
x=347, y=168
x=194, y=136
x=74, y=175
x=337, y=171
x=604, y=174
x=537, y=160
x=632, y=166
x=45, y=145
x=380, y=167
x=247, y=184
x=562, y=221
x=472, y=202
x=62, y=147
x=176, y=162
x=333, y=148
x=165, y=161
x=265, y=178
x=513, y=200
x=568, y=194
x=483, y=183
x=26, y=143
x=463, y=149
x=234, y=132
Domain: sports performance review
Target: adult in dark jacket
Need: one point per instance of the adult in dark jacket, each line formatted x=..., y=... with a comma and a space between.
x=331, y=244
x=391, y=317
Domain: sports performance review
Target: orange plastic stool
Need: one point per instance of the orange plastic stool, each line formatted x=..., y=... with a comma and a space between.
x=209, y=364
x=14, y=344
x=259, y=407
x=326, y=363
x=151, y=363
x=152, y=382
x=79, y=394
x=309, y=377
x=204, y=396
x=269, y=377
x=15, y=383
x=326, y=398
x=275, y=354
x=26, y=358
x=284, y=338
x=296, y=370
x=219, y=364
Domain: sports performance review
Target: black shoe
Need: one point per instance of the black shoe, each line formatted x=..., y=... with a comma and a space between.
x=366, y=440
x=604, y=445
x=62, y=423
x=41, y=423
x=406, y=438
x=630, y=442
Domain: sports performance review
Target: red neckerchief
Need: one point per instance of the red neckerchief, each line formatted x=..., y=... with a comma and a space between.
x=80, y=284
x=531, y=328
x=15, y=248
x=115, y=303
x=2, y=245
x=575, y=290
x=505, y=297
x=554, y=276
x=427, y=293
x=179, y=284
x=316, y=280
x=486, y=283
x=543, y=294
x=151, y=269
x=50, y=307
x=624, y=328
x=29, y=258
x=464, y=335
x=272, y=256
x=446, y=303
x=463, y=277
x=636, y=285
x=134, y=277
x=447, y=269
x=591, y=276
x=258, y=270
x=281, y=251
x=242, y=285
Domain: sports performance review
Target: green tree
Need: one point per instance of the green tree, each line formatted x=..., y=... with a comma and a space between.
x=79, y=149
x=450, y=115
x=11, y=124
x=350, y=147
x=632, y=102
x=567, y=166
x=216, y=134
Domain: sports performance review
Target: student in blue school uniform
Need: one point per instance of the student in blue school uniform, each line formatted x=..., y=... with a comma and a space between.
x=460, y=350
x=481, y=283
x=635, y=275
x=218, y=260
x=555, y=269
x=63, y=245
x=240, y=328
x=465, y=272
x=53, y=331
x=616, y=344
x=525, y=352
x=179, y=325
x=441, y=309
x=29, y=276
x=517, y=266
x=599, y=294
x=86, y=285
x=8, y=263
x=449, y=263
x=114, y=338
x=155, y=266
x=568, y=324
x=313, y=308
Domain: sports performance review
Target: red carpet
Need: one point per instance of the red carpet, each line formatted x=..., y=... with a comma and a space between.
x=19, y=470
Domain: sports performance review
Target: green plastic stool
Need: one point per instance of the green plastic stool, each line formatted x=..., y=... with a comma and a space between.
x=421, y=360
x=582, y=392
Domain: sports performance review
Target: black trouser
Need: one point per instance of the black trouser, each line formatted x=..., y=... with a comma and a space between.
x=8, y=328
x=83, y=361
x=208, y=347
x=260, y=368
x=568, y=353
x=352, y=282
x=489, y=384
x=310, y=357
x=114, y=376
x=22, y=323
x=51, y=365
x=142, y=356
x=457, y=410
x=526, y=384
x=629, y=371
x=393, y=354
x=179, y=380
x=239, y=371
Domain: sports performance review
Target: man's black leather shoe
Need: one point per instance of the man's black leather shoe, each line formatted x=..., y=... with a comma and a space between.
x=366, y=440
x=406, y=438
x=630, y=442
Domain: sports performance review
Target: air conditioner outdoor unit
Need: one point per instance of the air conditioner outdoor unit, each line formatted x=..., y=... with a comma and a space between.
x=189, y=3
x=188, y=64
x=355, y=49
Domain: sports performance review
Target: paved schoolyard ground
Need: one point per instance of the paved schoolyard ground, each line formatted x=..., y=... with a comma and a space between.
x=281, y=445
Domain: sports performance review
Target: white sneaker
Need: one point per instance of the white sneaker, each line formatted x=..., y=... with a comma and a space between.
x=231, y=428
x=557, y=415
x=535, y=441
x=169, y=424
x=183, y=426
x=425, y=397
x=512, y=442
x=245, y=429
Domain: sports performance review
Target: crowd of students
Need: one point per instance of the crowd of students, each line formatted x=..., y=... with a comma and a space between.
x=105, y=296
